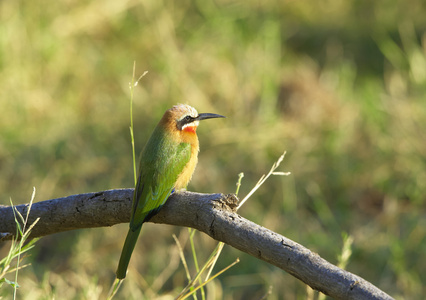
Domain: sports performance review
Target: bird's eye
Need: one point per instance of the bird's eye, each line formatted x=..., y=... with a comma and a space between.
x=188, y=118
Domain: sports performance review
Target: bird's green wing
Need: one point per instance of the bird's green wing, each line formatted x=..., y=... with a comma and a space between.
x=156, y=182
x=161, y=163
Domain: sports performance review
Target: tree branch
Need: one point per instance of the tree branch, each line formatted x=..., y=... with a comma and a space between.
x=213, y=214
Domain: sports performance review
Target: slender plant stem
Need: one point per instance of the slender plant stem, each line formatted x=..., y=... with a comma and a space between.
x=182, y=257
x=207, y=281
x=117, y=282
x=132, y=87
x=21, y=242
x=264, y=177
x=133, y=84
x=194, y=255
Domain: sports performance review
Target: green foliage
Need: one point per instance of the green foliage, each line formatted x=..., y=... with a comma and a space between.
x=340, y=86
x=19, y=245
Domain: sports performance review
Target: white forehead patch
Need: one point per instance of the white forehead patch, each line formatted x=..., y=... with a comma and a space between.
x=184, y=110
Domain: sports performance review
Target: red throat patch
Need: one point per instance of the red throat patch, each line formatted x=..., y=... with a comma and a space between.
x=190, y=129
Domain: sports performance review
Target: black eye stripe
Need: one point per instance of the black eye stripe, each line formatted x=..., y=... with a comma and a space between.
x=186, y=120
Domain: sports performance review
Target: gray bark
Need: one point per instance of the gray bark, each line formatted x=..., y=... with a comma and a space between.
x=213, y=214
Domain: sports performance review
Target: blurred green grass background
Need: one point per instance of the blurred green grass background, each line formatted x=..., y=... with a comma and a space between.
x=340, y=85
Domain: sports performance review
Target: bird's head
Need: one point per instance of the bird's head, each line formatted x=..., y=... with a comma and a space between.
x=185, y=118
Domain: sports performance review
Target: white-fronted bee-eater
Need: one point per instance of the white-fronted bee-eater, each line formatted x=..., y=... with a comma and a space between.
x=167, y=163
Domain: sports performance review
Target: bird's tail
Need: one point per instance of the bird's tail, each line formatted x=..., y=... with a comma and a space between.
x=126, y=253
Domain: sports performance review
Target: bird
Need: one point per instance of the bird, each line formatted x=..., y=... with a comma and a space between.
x=166, y=164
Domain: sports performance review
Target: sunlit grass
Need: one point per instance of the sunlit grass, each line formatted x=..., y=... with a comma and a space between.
x=20, y=245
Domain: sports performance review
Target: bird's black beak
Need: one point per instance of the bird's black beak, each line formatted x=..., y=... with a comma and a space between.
x=208, y=116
